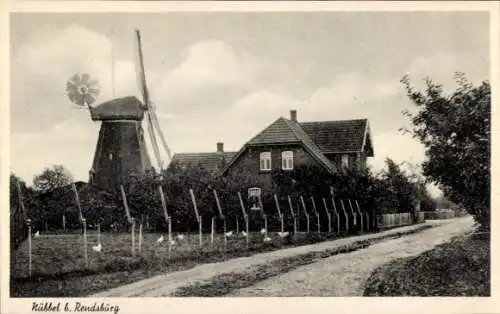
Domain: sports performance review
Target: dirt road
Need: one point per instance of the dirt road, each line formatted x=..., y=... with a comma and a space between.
x=345, y=274
x=165, y=285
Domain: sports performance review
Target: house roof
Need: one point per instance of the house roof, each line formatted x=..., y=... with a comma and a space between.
x=286, y=131
x=276, y=132
x=337, y=136
x=209, y=161
x=124, y=108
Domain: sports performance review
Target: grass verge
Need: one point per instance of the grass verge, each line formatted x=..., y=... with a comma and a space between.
x=460, y=267
x=226, y=283
x=62, y=275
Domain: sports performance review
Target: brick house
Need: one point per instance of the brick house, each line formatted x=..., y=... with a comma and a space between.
x=287, y=143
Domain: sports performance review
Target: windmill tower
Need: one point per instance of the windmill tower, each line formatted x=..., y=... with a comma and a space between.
x=121, y=149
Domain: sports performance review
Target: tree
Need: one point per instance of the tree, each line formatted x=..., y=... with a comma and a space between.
x=455, y=130
x=52, y=178
x=18, y=214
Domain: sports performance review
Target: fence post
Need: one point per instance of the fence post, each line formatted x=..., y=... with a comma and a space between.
x=328, y=215
x=200, y=230
x=360, y=215
x=294, y=218
x=98, y=233
x=305, y=214
x=133, y=236
x=28, y=222
x=169, y=220
x=140, y=237
x=346, y=216
x=212, y=230
x=316, y=213
x=86, y=257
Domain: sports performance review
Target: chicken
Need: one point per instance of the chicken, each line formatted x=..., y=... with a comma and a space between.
x=97, y=248
x=283, y=234
x=160, y=239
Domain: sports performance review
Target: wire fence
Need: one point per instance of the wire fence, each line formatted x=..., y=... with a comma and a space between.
x=290, y=221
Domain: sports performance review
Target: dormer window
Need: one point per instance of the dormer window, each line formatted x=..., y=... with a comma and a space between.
x=265, y=161
x=287, y=160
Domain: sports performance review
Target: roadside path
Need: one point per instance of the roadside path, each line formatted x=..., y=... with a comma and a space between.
x=165, y=285
x=344, y=275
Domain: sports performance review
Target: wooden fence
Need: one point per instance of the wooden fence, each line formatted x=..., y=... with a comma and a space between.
x=439, y=215
x=386, y=221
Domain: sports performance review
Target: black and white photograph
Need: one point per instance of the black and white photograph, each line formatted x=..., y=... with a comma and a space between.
x=318, y=153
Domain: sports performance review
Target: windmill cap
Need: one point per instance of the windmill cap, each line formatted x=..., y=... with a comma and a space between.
x=124, y=108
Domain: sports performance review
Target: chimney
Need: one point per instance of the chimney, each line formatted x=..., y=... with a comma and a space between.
x=293, y=115
x=220, y=147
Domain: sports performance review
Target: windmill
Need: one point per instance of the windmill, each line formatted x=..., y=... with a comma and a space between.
x=121, y=149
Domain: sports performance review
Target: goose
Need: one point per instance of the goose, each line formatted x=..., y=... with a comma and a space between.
x=267, y=239
x=263, y=231
x=180, y=236
x=37, y=234
x=244, y=233
x=228, y=234
x=97, y=248
x=160, y=239
x=172, y=242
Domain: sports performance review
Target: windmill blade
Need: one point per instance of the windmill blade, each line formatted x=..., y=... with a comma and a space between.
x=160, y=133
x=154, y=141
x=141, y=75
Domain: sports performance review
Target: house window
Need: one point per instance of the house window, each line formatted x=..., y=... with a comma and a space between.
x=265, y=161
x=254, y=198
x=345, y=161
x=254, y=192
x=287, y=160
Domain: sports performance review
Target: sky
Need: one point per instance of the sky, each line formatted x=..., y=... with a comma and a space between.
x=223, y=77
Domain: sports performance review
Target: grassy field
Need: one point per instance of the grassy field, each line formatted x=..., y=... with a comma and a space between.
x=460, y=267
x=58, y=267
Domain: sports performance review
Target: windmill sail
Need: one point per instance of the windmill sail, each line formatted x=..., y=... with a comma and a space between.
x=152, y=121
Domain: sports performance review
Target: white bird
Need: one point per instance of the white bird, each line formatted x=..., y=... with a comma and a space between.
x=172, y=242
x=228, y=234
x=283, y=234
x=160, y=239
x=97, y=248
x=263, y=231
x=267, y=239
x=180, y=236
x=244, y=233
x=37, y=234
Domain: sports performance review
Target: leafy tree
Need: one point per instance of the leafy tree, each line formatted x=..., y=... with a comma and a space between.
x=18, y=228
x=52, y=178
x=455, y=130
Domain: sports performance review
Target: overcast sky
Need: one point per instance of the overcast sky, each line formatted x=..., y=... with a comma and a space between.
x=225, y=76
